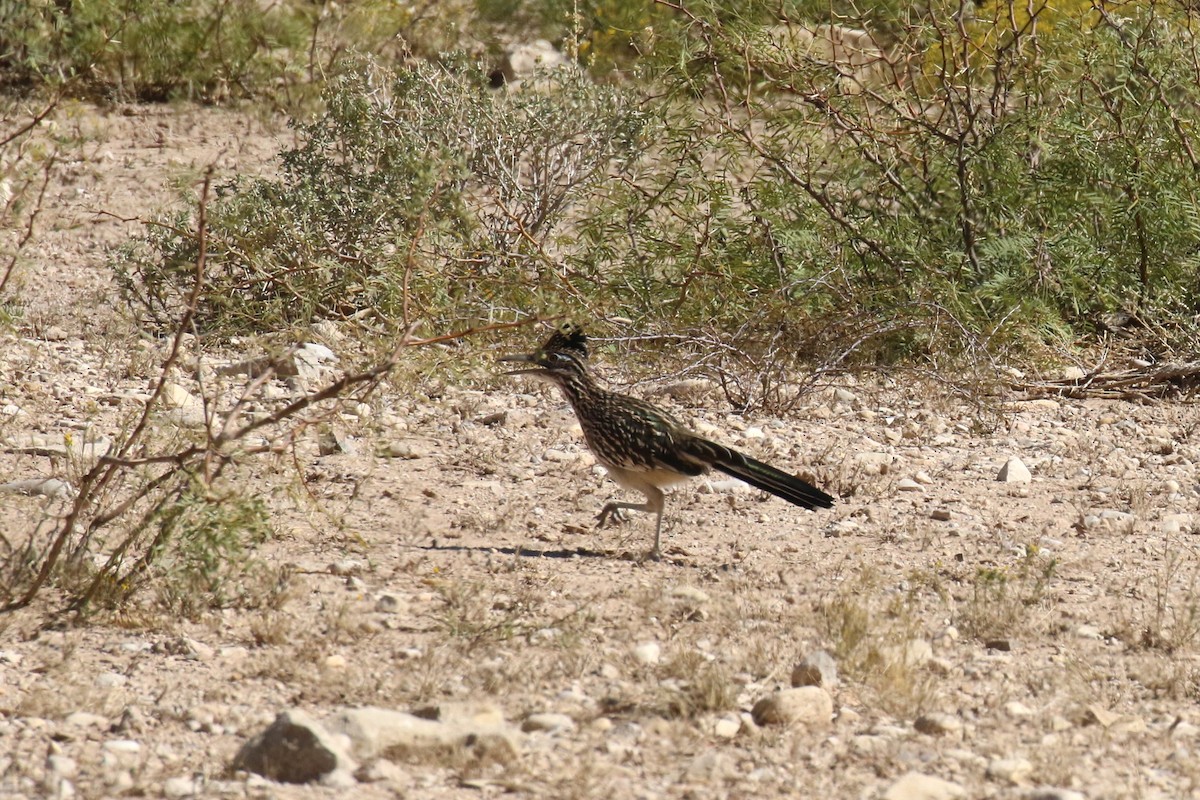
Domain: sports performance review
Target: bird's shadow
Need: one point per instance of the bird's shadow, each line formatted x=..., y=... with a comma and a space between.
x=562, y=553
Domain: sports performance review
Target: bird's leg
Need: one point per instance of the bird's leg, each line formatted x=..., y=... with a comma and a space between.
x=654, y=503
x=612, y=510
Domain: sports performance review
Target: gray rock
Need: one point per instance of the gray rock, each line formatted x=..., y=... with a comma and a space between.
x=1110, y=521
x=810, y=706
x=915, y=786
x=1012, y=770
x=396, y=734
x=1014, y=471
x=294, y=749
x=180, y=787
x=648, y=653
x=817, y=669
x=938, y=724
x=44, y=487
x=86, y=719
x=547, y=722
x=524, y=60
x=57, y=445
x=1050, y=793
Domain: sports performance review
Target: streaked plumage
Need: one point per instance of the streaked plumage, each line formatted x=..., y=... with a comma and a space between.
x=643, y=447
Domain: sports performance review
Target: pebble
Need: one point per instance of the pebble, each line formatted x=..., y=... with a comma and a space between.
x=648, y=653
x=122, y=746
x=1015, y=708
x=818, y=668
x=938, y=724
x=62, y=766
x=1014, y=471
x=1110, y=521
x=548, y=722
x=916, y=786
x=810, y=706
x=909, y=485
x=86, y=719
x=179, y=787
x=1013, y=770
x=940, y=514
x=728, y=727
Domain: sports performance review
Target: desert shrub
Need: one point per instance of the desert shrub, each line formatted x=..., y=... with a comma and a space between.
x=960, y=188
x=149, y=49
x=417, y=193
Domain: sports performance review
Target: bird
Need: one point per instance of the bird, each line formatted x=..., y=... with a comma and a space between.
x=642, y=447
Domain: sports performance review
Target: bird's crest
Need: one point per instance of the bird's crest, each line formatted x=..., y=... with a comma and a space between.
x=568, y=338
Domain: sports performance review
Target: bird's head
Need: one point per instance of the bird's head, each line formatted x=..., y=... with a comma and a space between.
x=561, y=358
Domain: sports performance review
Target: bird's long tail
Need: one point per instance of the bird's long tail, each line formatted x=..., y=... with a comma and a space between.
x=765, y=477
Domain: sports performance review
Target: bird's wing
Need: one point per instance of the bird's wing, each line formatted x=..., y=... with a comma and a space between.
x=647, y=439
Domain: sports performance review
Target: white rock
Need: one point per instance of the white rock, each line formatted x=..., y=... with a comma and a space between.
x=727, y=727
x=1013, y=770
x=123, y=746
x=377, y=730
x=648, y=653
x=548, y=722
x=179, y=787
x=86, y=719
x=915, y=786
x=810, y=706
x=909, y=485
x=1014, y=471
x=109, y=680
x=1178, y=523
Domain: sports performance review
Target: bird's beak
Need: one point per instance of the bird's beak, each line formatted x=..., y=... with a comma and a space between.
x=522, y=358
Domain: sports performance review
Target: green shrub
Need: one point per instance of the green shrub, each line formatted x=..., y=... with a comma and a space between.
x=149, y=49
x=418, y=193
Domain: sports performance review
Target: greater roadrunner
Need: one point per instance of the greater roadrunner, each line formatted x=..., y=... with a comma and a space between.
x=643, y=447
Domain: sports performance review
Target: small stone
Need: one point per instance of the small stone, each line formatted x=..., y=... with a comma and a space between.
x=548, y=722
x=1002, y=645
x=62, y=766
x=844, y=396
x=179, y=787
x=940, y=514
x=294, y=749
x=817, y=669
x=1013, y=770
x=383, y=771
x=405, y=450
x=123, y=746
x=909, y=485
x=1015, y=708
x=335, y=661
x=938, y=724
x=1072, y=373
x=728, y=727
x=389, y=604
x=1052, y=793
x=1173, y=524
x=85, y=719
x=915, y=786
x=648, y=653
x=810, y=706
x=1014, y=471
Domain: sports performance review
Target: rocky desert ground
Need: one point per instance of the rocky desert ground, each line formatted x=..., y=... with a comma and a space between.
x=449, y=624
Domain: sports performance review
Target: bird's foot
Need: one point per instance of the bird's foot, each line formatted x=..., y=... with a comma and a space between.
x=611, y=512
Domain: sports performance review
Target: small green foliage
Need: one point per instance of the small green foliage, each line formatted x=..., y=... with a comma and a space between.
x=1001, y=597
x=418, y=192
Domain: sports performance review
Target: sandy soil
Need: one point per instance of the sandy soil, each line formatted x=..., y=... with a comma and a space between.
x=1013, y=639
